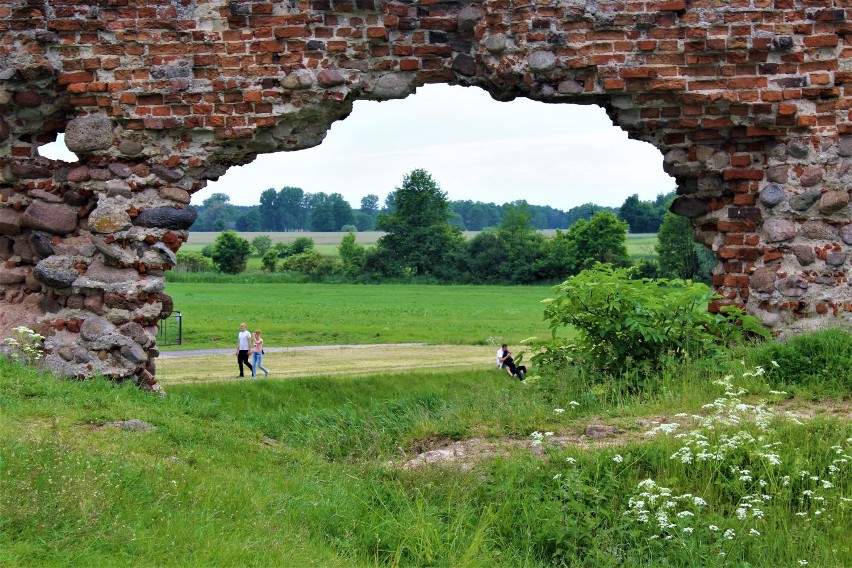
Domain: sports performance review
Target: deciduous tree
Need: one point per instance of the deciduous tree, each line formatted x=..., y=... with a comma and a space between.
x=419, y=238
x=231, y=252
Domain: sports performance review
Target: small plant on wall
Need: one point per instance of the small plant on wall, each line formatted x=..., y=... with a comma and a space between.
x=25, y=346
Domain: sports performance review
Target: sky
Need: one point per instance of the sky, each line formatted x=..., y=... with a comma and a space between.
x=473, y=146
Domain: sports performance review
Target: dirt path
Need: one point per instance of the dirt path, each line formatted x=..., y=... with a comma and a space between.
x=218, y=365
x=209, y=352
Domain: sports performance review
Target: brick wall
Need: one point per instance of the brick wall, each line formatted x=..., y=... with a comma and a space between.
x=749, y=102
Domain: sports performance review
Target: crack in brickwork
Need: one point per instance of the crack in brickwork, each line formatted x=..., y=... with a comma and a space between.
x=748, y=101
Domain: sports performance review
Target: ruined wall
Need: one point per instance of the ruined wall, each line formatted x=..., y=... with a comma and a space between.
x=749, y=102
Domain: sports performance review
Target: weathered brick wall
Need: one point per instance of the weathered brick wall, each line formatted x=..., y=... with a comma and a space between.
x=749, y=102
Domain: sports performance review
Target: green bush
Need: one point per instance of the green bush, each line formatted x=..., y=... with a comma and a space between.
x=622, y=322
x=269, y=260
x=821, y=360
x=231, y=252
x=193, y=262
x=311, y=263
x=261, y=244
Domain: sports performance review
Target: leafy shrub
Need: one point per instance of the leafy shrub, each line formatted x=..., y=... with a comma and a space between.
x=261, y=244
x=622, y=322
x=311, y=263
x=269, y=260
x=193, y=262
x=231, y=252
x=822, y=359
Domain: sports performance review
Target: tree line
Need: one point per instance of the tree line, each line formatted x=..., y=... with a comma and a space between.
x=293, y=209
x=421, y=241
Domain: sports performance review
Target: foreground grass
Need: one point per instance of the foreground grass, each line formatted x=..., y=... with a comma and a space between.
x=305, y=472
x=341, y=314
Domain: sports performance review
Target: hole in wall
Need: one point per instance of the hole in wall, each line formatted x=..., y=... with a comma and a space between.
x=476, y=148
x=57, y=150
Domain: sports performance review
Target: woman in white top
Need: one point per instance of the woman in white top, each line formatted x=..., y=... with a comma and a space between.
x=257, y=356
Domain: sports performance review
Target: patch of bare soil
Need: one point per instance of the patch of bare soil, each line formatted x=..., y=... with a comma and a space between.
x=464, y=454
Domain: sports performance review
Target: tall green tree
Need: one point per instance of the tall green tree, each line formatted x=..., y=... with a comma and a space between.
x=641, y=216
x=601, y=239
x=419, y=238
x=292, y=209
x=678, y=255
x=231, y=252
x=365, y=217
x=521, y=244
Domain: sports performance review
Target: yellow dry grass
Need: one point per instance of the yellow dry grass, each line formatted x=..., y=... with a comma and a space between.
x=358, y=360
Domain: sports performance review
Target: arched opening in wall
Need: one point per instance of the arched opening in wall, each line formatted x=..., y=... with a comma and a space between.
x=479, y=150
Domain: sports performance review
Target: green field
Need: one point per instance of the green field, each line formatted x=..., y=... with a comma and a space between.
x=341, y=314
x=638, y=245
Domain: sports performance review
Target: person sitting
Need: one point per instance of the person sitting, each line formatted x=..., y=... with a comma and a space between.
x=509, y=364
x=500, y=352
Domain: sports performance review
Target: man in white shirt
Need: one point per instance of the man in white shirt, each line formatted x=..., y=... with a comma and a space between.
x=502, y=355
x=243, y=339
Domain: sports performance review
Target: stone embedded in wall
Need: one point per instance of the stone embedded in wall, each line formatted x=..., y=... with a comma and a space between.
x=167, y=217
x=10, y=222
x=89, y=133
x=835, y=258
x=50, y=217
x=818, y=230
x=804, y=254
x=777, y=230
x=832, y=202
x=772, y=195
x=778, y=174
x=392, y=86
x=110, y=216
x=763, y=280
x=56, y=271
x=688, y=207
x=792, y=286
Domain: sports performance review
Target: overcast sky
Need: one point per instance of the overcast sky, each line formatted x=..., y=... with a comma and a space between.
x=474, y=147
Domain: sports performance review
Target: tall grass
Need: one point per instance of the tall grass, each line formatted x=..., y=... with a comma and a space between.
x=307, y=473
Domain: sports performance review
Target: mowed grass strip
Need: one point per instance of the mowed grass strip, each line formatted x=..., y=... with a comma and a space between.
x=355, y=361
x=349, y=314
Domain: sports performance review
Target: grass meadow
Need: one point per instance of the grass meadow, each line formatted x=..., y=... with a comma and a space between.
x=343, y=314
x=638, y=245
x=322, y=472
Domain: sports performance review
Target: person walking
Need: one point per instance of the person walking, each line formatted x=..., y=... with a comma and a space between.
x=257, y=356
x=243, y=339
